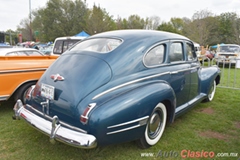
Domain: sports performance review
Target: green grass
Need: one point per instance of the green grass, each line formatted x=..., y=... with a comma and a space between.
x=213, y=126
x=230, y=76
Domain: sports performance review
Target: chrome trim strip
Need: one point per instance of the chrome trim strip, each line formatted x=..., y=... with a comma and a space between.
x=184, y=106
x=129, y=122
x=182, y=70
x=51, y=119
x=4, y=97
x=142, y=121
x=137, y=80
x=23, y=70
x=125, y=129
x=91, y=106
x=127, y=83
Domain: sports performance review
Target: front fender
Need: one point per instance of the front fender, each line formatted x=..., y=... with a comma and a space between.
x=123, y=118
x=207, y=76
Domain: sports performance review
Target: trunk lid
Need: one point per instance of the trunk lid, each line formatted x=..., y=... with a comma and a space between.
x=79, y=76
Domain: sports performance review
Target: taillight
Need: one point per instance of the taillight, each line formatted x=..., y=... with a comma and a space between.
x=29, y=92
x=84, y=117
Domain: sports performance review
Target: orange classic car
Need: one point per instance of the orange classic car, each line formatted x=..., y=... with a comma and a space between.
x=18, y=73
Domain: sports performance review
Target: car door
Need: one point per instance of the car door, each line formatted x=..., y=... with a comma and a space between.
x=194, y=68
x=180, y=73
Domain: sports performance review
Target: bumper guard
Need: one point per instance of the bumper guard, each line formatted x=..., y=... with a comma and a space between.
x=54, y=129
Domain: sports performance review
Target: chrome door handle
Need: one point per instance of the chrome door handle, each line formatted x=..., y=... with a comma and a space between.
x=175, y=72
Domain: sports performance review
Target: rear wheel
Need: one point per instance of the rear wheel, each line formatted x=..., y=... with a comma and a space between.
x=211, y=93
x=22, y=91
x=155, y=127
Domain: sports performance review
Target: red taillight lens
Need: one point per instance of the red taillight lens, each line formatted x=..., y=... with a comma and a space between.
x=84, y=117
x=29, y=92
x=22, y=115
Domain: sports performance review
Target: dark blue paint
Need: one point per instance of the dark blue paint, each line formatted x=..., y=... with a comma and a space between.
x=88, y=74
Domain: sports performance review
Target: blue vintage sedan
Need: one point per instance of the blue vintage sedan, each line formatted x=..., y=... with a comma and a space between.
x=118, y=86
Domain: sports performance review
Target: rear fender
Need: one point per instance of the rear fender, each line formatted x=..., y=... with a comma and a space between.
x=207, y=76
x=131, y=110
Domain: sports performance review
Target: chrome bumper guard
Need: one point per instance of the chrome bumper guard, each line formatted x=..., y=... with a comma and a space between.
x=55, y=130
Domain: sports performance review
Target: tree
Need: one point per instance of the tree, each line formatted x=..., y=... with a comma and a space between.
x=24, y=29
x=69, y=17
x=121, y=23
x=175, y=26
x=135, y=22
x=99, y=21
x=229, y=27
x=60, y=18
x=199, y=28
x=152, y=22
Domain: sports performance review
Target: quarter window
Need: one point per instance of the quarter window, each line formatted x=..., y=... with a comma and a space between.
x=155, y=56
x=176, y=52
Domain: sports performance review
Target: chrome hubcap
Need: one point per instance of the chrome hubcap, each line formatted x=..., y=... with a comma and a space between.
x=211, y=92
x=154, y=125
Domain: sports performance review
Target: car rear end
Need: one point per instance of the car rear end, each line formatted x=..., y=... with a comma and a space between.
x=54, y=104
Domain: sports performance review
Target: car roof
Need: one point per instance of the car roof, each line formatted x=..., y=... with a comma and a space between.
x=139, y=33
x=73, y=38
x=4, y=51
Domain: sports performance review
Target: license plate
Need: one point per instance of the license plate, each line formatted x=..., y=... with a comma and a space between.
x=47, y=91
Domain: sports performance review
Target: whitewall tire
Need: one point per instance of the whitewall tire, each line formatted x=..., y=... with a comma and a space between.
x=155, y=127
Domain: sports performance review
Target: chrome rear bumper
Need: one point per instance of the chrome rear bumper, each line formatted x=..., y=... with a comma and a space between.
x=54, y=129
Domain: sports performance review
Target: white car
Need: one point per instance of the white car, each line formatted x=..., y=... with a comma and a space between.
x=20, y=52
x=227, y=54
x=61, y=44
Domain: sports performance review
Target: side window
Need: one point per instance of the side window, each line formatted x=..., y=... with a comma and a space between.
x=190, y=52
x=155, y=56
x=176, y=52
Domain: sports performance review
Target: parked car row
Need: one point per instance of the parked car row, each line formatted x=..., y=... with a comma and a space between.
x=223, y=54
x=24, y=72
x=60, y=45
x=116, y=87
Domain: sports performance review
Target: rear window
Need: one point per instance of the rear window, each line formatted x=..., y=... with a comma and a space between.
x=100, y=45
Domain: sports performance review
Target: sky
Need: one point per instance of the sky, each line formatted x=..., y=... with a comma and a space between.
x=13, y=11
